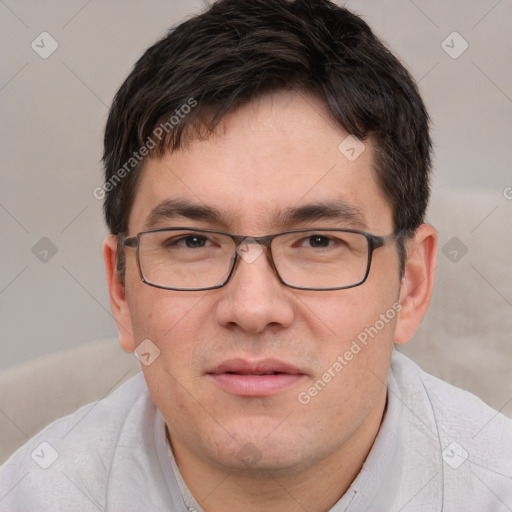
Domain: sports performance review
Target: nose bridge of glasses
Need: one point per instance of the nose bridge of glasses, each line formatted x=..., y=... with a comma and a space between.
x=249, y=249
x=264, y=241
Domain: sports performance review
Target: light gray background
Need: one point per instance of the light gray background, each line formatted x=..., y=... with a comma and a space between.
x=54, y=110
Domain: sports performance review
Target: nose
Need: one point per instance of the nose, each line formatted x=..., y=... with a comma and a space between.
x=254, y=298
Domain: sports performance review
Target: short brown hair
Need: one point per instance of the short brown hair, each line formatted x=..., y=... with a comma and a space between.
x=238, y=50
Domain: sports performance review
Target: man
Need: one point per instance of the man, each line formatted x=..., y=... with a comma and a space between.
x=267, y=174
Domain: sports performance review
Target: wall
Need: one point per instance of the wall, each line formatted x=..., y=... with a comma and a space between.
x=52, y=289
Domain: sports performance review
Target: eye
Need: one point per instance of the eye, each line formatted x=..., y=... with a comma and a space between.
x=193, y=241
x=317, y=241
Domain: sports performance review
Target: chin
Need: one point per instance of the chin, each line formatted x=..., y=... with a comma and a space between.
x=262, y=452
x=253, y=462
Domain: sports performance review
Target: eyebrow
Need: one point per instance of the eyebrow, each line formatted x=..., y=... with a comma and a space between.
x=171, y=209
x=335, y=210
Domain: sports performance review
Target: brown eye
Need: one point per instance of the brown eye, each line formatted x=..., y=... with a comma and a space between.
x=319, y=241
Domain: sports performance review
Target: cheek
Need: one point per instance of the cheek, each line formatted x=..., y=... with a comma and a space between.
x=163, y=315
x=352, y=332
x=176, y=327
x=353, y=358
x=338, y=317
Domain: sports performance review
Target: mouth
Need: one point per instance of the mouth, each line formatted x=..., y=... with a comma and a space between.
x=255, y=379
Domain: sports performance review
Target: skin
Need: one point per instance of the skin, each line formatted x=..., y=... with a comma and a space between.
x=275, y=152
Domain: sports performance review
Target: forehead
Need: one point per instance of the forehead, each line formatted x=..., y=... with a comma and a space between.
x=266, y=160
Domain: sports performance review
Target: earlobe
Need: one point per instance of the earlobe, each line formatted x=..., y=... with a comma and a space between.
x=118, y=302
x=417, y=283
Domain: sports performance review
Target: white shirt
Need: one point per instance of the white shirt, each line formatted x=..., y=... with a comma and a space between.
x=439, y=448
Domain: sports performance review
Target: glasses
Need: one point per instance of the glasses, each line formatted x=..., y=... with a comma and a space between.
x=190, y=259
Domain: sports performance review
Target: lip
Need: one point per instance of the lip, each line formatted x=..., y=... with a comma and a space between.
x=255, y=378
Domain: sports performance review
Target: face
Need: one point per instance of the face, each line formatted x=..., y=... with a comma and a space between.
x=272, y=155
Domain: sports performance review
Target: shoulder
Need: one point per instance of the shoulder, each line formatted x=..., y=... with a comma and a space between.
x=68, y=462
x=474, y=440
x=455, y=409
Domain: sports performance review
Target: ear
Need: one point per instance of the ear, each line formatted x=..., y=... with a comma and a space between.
x=417, y=283
x=116, y=290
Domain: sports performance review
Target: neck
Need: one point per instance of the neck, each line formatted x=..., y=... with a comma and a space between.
x=315, y=489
